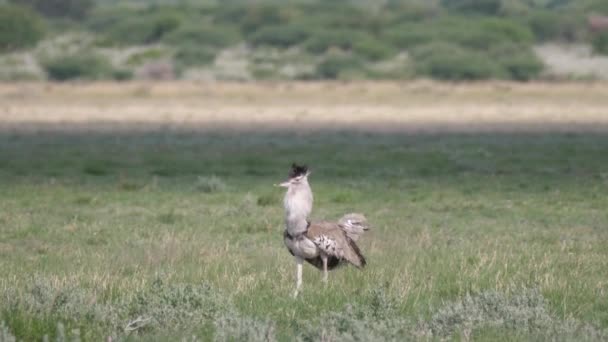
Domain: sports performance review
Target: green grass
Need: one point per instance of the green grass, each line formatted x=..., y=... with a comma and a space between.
x=475, y=236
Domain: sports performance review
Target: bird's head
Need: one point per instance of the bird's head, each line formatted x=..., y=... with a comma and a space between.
x=297, y=175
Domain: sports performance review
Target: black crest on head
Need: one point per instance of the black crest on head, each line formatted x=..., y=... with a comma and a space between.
x=297, y=170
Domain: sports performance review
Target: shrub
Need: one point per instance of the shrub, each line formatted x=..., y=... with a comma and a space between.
x=210, y=184
x=407, y=11
x=144, y=29
x=74, y=9
x=105, y=18
x=507, y=30
x=19, y=28
x=86, y=66
x=142, y=57
x=155, y=307
x=519, y=62
x=259, y=15
x=490, y=7
x=373, y=49
x=122, y=74
x=192, y=56
x=217, y=36
x=409, y=35
x=280, y=36
x=232, y=326
x=321, y=41
x=600, y=43
x=482, y=33
x=5, y=333
x=345, y=15
x=478, y=34
x=336, y=66
x=546, y=25
x=450, y=62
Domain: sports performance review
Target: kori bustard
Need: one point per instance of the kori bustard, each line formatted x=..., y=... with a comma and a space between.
x=325, y=245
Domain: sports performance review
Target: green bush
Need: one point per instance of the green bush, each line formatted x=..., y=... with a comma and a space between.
x=321, y=41
x=19, y=28
x=122, y=74
x=409, y=35
x=259, y=15
x=103, y=19
x=447, y=61
x=478, y=34
x=142, y=57
x=600, y=43
x=556, y=25
x=545, y=25
x=598, y=6
x=339, y=66
x=519, y=62
x=507, y=30
x=74, y=9
x=482, y=33
x=84, y=66
x=373, y=49
x=342, y=15
x=192, y=55
x=216, y=36
x=408, y=11
x=280, y=36
x=144, y=29
x=488, y=7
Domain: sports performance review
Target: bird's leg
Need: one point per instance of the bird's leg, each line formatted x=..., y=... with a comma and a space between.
x=324, y=258
x=299, y=264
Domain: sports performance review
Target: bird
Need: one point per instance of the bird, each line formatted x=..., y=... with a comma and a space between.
x=323, y=244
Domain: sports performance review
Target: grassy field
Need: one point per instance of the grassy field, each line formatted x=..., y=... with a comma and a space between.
x=147, y=212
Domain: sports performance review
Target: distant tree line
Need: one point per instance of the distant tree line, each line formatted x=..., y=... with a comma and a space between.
x=444, y=39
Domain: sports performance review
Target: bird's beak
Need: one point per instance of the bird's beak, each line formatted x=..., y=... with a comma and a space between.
x=283, y=185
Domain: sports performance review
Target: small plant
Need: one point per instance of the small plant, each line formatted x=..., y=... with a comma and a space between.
x=169, y=217
x=231, y=326
x=95, y=169
x=210, y=184
x=267, y=200
x=5, y=333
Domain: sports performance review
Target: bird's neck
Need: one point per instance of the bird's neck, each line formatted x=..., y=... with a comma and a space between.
x=298, y=205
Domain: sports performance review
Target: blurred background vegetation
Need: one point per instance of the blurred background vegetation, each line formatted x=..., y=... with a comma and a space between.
x=302, y=39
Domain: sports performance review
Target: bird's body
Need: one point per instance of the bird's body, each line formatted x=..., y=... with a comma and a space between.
x=325, y=245
x=324, y=239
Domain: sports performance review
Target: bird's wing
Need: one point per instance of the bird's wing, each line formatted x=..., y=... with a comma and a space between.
x=333, y=241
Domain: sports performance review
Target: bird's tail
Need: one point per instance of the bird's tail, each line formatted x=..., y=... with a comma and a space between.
x=354, y=225
x=353, y=254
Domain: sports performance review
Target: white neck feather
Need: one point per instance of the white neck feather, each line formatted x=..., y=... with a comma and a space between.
x=298, y=205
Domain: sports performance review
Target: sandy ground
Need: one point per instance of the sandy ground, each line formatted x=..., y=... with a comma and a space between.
x=392, y=106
